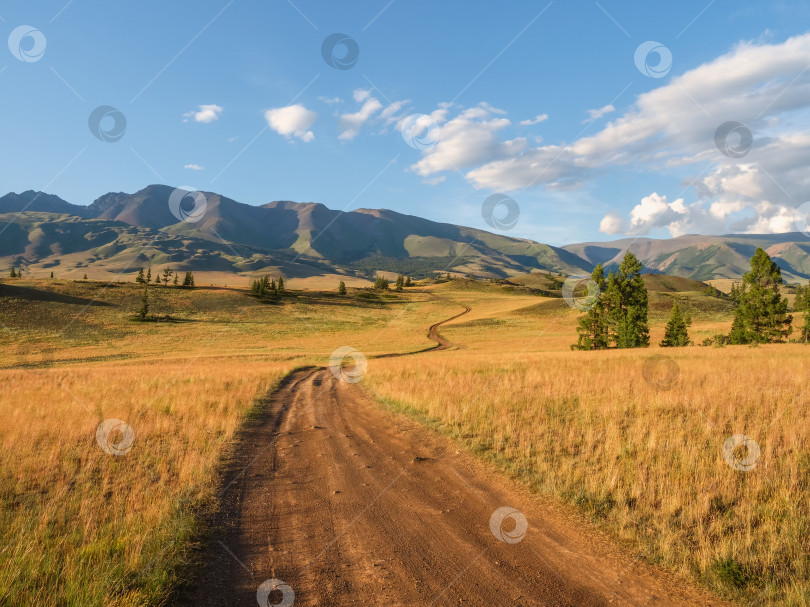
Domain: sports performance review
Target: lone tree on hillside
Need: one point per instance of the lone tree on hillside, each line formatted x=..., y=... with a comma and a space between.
x=381, y=283
x=627, y=305
x=342, y=288
x=618, y=318
x=761, y=316
x=593, y=327
x=144, y=311
x=676, y=334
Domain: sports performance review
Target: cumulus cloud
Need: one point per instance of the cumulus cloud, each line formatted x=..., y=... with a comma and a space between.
x=194, y=167
x=203, y=113
x=352, y=123
x=765, y=87
x=466, y=140
x=292, y=121
x=611, y=223
x=536, y=120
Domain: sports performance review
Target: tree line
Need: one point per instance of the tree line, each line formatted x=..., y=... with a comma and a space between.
x=267, y=285
x=617, y=316
x=146, y=278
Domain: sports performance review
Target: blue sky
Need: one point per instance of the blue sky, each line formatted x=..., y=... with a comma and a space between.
x=236, y=97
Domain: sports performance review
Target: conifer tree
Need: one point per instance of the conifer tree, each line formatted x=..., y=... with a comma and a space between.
x=13, y=272
x=280, y=284
x=381, y=283
x=761, y=316
x=144, y=311
x=593, y=327
x=167, y=273
x=400, y=282
x=408, y=282
x=676, y=333
x=140, y=278
x=188, y=280
x=626, y=300
x=802, y=304
x=51, y=273
x=149, y=275
x=342, y=288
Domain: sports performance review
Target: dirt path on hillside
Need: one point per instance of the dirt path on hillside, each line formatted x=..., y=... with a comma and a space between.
x=433, y=332
x=348, y=504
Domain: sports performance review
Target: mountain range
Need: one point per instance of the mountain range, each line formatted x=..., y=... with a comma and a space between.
x=119, y=232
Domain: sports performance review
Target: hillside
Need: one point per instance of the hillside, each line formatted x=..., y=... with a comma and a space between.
x=704, y=257
x=119, y=232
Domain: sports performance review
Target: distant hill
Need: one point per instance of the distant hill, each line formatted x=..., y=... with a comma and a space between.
x=121, y=232
x=704, y=257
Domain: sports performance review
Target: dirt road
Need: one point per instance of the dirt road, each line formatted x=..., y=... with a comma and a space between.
x=348, y=504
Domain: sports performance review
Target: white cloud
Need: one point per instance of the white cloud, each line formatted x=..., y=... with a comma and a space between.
x=536, y=120
x=292, y=120
x=597, y=114
x=765, y=87
x=466, y=140
x=611, y=223
x=194, y=167
x=352, y=123
x=204, y=114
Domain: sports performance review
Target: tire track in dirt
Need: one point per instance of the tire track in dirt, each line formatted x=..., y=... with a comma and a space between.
x=350, y=504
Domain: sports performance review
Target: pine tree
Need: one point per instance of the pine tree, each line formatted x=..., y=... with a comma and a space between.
x=188, y=281
x=761, y=316
x=626, y=299
x=144, y=311
x=676, y=333
x=280, y=284
x=408, y=282
x=176, y=279
x=400, y=282
x=13, y=272
x=149, y=275
x=167, y=273
x=593, y=327
x=51, y=273
x=342, y=288
x=381, y=283
x=140, y=278
x=85, y=277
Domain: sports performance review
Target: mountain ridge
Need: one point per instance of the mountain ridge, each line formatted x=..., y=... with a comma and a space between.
x=301, y=237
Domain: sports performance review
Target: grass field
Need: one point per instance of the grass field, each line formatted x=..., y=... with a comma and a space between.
x=635, y=450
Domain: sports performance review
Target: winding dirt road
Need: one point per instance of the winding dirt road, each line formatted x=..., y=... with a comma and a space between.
x=349, y=504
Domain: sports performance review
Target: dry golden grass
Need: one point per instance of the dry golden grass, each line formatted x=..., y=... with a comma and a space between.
x=641, y=460
x=79, y=526
x=83, y=527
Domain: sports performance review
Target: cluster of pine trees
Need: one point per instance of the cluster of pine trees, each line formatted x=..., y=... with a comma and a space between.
x=381, y=283
x=618, y=316
x=267, y=285
x=146, y=278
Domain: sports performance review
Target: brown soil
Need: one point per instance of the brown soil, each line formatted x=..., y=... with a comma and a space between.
x=350, y=504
